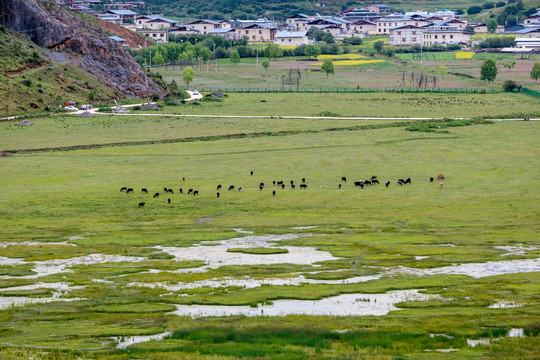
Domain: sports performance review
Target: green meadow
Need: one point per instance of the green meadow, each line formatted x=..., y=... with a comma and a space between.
x=65, y=203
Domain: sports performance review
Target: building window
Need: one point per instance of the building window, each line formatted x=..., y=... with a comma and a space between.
x=399, y=33
x=254, y=37
x=290, y=40
x=247, y=32
x=260, y=32
x=414, y=32
x=451, y=36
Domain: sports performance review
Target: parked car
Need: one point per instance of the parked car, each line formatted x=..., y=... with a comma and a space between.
x=195, y=92
x=87, y=107
x=71, y=108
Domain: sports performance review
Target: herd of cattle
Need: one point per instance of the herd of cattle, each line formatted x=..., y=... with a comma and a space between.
x=303, y=185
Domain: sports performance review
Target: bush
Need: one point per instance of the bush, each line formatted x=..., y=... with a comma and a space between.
x=474, y=10
x=532, y=329
x=155, y=97
x=511, y=86
x=500, y=4
x=27, y=83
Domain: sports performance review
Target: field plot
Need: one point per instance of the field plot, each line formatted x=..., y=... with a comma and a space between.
x=407, y=105
x=425, y=270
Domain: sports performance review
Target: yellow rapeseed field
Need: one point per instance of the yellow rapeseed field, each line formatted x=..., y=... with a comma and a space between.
x=342, y=56
x=464, y=55
x=288, y=47
x=351, y=62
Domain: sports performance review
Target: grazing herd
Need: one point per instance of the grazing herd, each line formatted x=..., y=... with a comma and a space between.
x=359, y=183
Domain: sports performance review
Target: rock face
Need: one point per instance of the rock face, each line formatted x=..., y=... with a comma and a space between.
x=52, y=26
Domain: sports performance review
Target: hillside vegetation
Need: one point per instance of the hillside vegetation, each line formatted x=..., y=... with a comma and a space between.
x=32, y=82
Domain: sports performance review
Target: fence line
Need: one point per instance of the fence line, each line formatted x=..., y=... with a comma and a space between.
x=530, y=92
x=356, y=90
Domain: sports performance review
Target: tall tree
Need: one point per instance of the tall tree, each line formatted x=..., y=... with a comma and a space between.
x=312, y=50
x=265, y=64
x=328, y=67
x=378, y=46
x=158, y=59
x=488, y=71
x=492, y=25
x=272, y=51
x=188, y=75
x=535, y=72
x=235, y=57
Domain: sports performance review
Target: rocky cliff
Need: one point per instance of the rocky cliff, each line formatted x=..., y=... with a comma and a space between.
x=52, y=26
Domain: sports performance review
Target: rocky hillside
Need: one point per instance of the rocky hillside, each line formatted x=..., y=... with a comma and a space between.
x=81, y=43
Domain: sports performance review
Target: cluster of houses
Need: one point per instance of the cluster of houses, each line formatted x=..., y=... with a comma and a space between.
x=443, y=27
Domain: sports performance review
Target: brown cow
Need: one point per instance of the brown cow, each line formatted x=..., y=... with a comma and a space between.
x=440, y=177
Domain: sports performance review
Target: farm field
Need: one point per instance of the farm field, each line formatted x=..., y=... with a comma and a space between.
x=407, y=105
x=387, y=73
x=417, y=271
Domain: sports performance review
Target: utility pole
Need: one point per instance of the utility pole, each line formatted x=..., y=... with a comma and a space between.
x=421, y=55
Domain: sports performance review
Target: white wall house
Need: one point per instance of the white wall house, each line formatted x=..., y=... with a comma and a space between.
x=406, y=35
x=205, y=25
x=363, y=27
x=445, y=37
x=291, y=38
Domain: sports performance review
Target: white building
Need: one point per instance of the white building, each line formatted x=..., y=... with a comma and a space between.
x=406, y=35
x=291, y=38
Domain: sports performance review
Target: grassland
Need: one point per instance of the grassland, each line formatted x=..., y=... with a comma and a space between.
x=407, y=105
x=490, y=199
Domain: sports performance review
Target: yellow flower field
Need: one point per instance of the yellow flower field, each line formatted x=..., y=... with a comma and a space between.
x=351, y=62
x=288, y=47
x=342, y=56
x=464, y=55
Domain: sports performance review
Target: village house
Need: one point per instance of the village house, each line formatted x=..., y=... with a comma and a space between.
x=386, y=23
x=445, y=37
x=334, y=30
x=158, y=35
x=298, y=22
x=205, y=25
x=354, y=15
x=183, y=30
x=226, y=33
x=405, y=35
x=325, y=23
x=259, y=32
x=533, y=19
x=159, y=23
x=364, y=27
x=141, y=20
x=378, y=8
x=291, y=38
x=124, y=14
x=456, y=23
x=479, y=28
x=110, y=18
x=119, y=40
x=528, y=38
